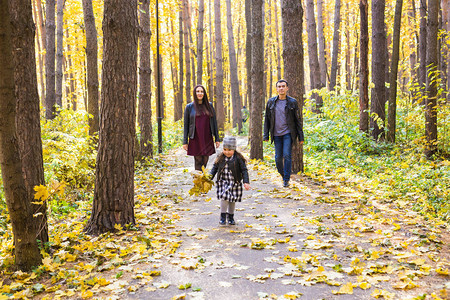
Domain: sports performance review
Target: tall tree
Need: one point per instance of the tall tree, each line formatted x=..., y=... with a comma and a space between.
x=219, y=67
x=27, y=115
x=432, y=82
x=26, y=249
x=448, y=50
x=92, y=66
x=314, y=67
x=50, y=96
x=235, y=94
x=114, y=183
x=377, y=110
x=278, y=43
x=322, y=54
x=392, y=109
x=257, y=76
x=200, y=35
x=40, y=41
x=248, y=49
x=187, y=50
x=412, y=47
x=145, y=73
x=335, y=54
x=59, y=50
x=364, y=67
x=178, y=107
x=292, y=16
x=423, y=46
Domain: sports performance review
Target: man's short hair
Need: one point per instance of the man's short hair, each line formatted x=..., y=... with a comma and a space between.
x=282, y=80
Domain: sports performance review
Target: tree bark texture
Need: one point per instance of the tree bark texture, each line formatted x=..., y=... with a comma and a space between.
x=257, y=77
x=145, y=73
x=422, y=47
x=392, y=108
x=248, y=50
x=447, y=20
x=211, y=55
x=335, y=54
x=322, y=52
x=234, y=80
x=178, y=107
x=59, y=51
x=200, y=37
x=348, y=73
x=377, y=109
x=220, y=110
x=314, y=67
x=50, y=94
x=40, y=41
x=292, y=22
x=174, y=70
x=412, y=47
x=18, y=200
x=432, y=76
x=27, y=114
x=187, y=51
x=114, y=184
x=92, y=66
x=364, y=67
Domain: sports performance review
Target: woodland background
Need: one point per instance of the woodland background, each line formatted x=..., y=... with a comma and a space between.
x=371, y=78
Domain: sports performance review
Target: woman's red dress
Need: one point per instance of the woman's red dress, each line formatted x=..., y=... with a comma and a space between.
x=202, y=143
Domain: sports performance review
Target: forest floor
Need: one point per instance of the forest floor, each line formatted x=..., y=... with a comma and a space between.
x=313, y=240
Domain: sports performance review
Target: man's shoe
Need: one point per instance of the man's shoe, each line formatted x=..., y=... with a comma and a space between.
x=223, y=219
x=285, y=183
x=231, y=219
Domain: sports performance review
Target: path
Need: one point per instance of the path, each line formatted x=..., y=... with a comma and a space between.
x=305, y=241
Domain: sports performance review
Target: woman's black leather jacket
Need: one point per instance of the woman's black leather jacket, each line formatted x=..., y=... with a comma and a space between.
x=189, y=123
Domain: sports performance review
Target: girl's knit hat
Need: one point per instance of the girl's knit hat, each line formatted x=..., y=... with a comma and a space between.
x=229, y=142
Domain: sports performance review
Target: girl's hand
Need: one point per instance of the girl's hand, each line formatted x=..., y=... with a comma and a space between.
x=247, y=186
x=185, y=147
x=217, y=144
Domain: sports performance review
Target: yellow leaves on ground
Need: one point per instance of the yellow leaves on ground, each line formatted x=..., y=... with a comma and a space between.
x=345, y=289
x=382, y=294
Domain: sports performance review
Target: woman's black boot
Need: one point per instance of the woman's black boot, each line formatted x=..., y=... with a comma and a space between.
x=231, y=219
x=223, y=218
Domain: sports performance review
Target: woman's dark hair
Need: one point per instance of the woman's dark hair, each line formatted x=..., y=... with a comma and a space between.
x=205, y=107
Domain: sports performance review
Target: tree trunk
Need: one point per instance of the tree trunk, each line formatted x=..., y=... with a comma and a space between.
x=292, y=18
x=210, y=60
x=322, y=54
x=412, y=47
x=314, y=67
x=422, y=48
x=27, y=116
x=59, y=51
x=257, y=77
x=432, y=83
x=174, y=70
x=248, y=51
x=92, y=66
x=72, y=95
x=178, y=107
x=50, y=96
x=392, y=109
x=446, y=21
x=278, y=43
x=235, y=94
x=364, y=67
x=348, y=75
x=145, y=78
x=378, y=112
x=40, y=41
x=200, y=35
x=18, y=201
x=335, y=54
x=113, y=202
x=187, y=51
x=220, y=111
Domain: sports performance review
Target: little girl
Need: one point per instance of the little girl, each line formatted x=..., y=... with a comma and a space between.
x=231, y=171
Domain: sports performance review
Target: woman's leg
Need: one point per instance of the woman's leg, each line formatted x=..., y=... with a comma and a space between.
x=198, y=162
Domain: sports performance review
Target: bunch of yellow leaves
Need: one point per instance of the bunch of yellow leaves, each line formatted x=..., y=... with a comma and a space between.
x=202, y=182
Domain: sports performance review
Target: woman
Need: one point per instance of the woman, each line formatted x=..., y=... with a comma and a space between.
x=200, y=128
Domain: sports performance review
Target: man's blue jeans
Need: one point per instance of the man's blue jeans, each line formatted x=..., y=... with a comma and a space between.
x=283, y=157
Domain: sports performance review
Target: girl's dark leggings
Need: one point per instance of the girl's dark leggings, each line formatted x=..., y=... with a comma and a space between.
x=201, y=160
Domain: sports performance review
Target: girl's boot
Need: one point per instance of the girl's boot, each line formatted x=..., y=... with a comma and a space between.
x=223, y=218
x=231, y=219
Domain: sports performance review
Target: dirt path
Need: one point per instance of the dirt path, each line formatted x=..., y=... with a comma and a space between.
x=314, y=240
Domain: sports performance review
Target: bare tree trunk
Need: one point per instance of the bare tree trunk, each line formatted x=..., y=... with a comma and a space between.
x=378, y=113
x=248, y=51
x=27, y=104
x=335, y=54
x=178, y=107
x=200, y=34
x=422, y=48
x=59, y=50
x=145, y=78
x=292, y=18
x=364, y=68
x=278, y=43
x=314, y=67
x=92, y=66
x=174, y=71
x=446, y=47
x=432, y=84
x=348, y=72
x=71, y=95
x=322, y=54
x=26, y=249
x=257, y=77
x=113, y=202
x=235, y=94
x=50, y=96
x=187, y=51
x=392, y=111
x=211, y=56
x=412, y=47
x=220, y=111
x=40, y=39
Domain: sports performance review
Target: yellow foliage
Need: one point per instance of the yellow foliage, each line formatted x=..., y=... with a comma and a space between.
x=202, y=183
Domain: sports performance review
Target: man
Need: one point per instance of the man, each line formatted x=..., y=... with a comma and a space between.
x=282, y=122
